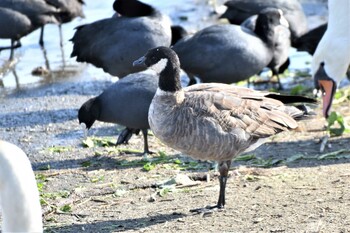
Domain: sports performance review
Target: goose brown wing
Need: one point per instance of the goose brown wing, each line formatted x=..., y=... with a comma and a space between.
x=232, y=107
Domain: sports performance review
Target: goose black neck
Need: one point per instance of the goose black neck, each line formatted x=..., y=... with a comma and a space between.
x=133, y=8
x=169, y=78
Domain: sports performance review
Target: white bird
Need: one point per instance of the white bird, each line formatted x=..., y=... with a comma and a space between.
x=19, y=196
x=332, y=56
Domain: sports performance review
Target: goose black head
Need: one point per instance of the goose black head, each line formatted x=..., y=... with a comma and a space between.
x=166, y=63
x=158, y=59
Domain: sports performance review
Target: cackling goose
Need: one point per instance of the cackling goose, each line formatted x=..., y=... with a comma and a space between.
x=213, y=121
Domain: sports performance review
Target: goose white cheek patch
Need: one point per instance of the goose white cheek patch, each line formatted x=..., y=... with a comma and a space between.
x=159, y=66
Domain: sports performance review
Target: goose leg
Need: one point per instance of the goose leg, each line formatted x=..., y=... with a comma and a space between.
x=223, y=169
x=145, y=142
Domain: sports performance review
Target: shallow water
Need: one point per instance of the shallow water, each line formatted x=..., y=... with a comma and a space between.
x=31, y=56
x=192, y=14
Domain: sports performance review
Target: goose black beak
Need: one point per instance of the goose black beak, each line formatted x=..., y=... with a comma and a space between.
x=328, y=88
x=140, y=62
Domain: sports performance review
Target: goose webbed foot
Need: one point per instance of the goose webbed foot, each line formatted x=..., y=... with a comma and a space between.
x=208, y=210
x=220, y=206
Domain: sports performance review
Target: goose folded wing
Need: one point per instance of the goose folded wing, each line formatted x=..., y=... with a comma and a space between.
x=221, y=87
x=256, y=115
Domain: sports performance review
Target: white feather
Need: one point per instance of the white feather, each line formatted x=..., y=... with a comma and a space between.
x=160, y=92
x=159, y=66
x=334, y=47
x=19, y=196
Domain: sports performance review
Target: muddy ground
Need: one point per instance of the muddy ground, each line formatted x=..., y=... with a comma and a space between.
x=286, y=185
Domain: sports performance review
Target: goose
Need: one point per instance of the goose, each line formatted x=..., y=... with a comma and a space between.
x=239, y=10
x=213, y=121
x=229, y=53
x=38, y=11
x=19, y=196
x=113, y=43
x=332, y=56
x=125, y=102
